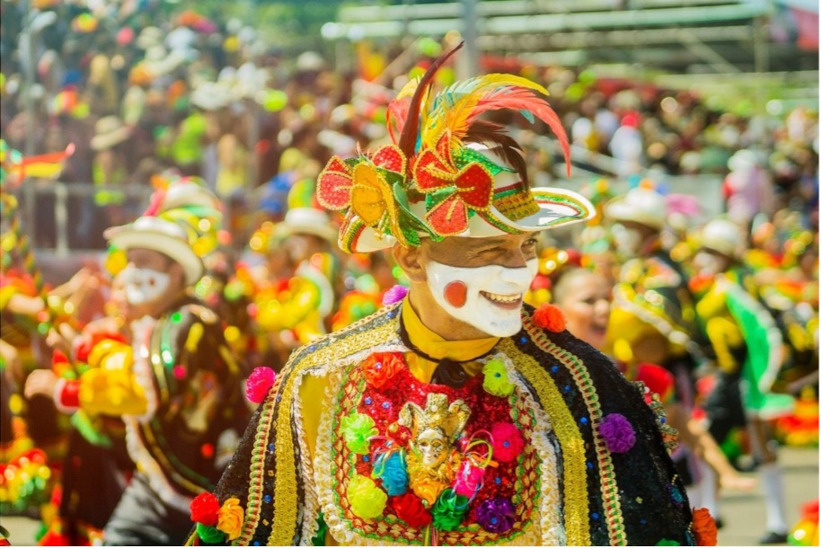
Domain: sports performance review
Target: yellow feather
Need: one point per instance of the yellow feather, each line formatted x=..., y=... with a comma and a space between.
x=454, y=114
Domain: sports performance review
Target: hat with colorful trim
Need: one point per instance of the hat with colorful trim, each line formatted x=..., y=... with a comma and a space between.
x=447, y=172
x=182, y=221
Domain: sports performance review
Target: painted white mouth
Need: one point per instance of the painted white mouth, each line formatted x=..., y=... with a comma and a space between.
x=508, y=299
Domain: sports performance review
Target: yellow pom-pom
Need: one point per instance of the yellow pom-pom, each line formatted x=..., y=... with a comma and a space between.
x=232, y=334
x=366, y=499
x=116, y=261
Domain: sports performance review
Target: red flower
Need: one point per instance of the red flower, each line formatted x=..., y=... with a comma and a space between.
x=410, y=510
x=381, y=367
x=204, y=509
x=550, y=317
x=704, y=527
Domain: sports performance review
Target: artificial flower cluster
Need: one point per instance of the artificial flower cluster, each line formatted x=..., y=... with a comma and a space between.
x=397, y=471
x=216, y=523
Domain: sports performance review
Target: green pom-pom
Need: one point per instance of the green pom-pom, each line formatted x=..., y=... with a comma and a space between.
x=496, y=379
x=665, y=541
x=448, y=510
x=210, y=534
x=357, y=430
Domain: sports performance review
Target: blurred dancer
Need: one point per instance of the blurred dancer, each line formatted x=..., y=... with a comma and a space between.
x=172, y=379
x=747, y=346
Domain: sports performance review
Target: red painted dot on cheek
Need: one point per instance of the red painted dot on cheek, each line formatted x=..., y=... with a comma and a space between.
x=455, y=293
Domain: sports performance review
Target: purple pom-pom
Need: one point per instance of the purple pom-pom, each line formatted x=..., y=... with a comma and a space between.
x=259, y=383
x=617, y=432
x=495, y=515
x=394, y=294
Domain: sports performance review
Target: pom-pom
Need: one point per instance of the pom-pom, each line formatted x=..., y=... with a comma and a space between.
x=495, y=515
x=550, y=317
x=469, y=479
x=507, y=442
x=496, y=379
x=394, y=294
x=230, y=518
x=204, y=509
x=210, y=534
x=704, y=527
x=448, y=511
x=410, y=510
x=393, y=474
x=259, y=383
x=357, y=430
x=366, y=499
x=617, y=432
x=665, y=541
x=379, y=368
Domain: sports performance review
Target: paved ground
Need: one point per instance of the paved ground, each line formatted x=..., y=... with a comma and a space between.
x=744, y=513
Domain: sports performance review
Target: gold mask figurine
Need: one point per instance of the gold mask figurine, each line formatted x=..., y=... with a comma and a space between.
x=432, y=463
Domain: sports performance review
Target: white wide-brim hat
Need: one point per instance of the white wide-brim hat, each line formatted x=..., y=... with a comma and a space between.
x=111, y=131
x=722, y=236
x=306, y=221
x=556, y=208
x=160, y=235
x=643, y=206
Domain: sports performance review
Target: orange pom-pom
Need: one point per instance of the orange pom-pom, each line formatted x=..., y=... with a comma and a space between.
x=704, y=527
x=550, y=317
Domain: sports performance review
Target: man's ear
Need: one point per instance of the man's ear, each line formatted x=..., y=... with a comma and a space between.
x=410, y=260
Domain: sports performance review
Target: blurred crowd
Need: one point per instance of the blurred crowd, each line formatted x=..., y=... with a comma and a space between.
x=147, y=97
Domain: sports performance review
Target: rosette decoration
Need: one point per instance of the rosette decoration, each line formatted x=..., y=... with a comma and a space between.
x=216, y=523
x=447, y=172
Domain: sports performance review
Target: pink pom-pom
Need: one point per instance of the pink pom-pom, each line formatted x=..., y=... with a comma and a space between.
x=259, y=383
x=469, y=480
x=394, y=294
x=617, y=432
x=508, y=442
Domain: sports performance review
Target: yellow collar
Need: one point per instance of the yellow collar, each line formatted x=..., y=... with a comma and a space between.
x=437, y=347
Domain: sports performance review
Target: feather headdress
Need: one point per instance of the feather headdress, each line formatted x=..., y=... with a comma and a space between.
x=448, y=171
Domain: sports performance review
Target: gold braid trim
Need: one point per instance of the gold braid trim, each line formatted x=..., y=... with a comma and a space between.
x=571, y=442
x=339, y=346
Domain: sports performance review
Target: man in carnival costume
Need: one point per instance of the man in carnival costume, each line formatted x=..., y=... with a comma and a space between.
x=455, y=416
x=747, y=345
x=167, y=372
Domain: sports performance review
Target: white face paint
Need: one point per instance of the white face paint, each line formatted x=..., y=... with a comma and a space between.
x=708, y=264
x=493, y=296
x=143, y=285
x=627, y=240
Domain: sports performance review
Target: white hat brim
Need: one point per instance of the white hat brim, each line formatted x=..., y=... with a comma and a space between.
x=127, y=237
x=558, y=207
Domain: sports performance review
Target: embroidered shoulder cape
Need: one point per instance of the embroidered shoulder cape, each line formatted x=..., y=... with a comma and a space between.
x=589, y=464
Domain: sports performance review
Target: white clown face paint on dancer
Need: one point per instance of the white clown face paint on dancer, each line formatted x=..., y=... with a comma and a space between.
x=488, y=298
x=143, y=285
